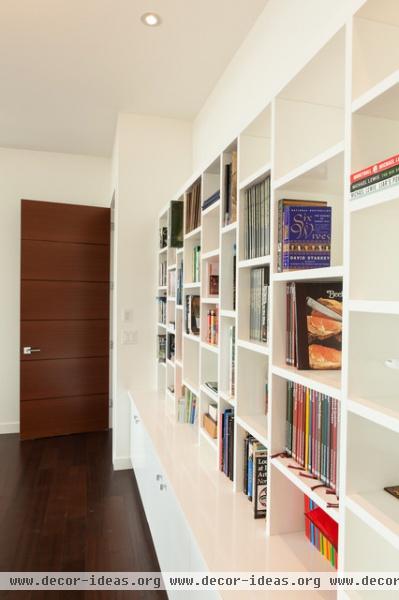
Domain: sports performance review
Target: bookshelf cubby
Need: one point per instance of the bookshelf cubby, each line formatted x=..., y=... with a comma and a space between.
x=337, y=115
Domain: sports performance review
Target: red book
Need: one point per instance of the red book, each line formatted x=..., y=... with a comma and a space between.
x=376, y=168
x=323, y=522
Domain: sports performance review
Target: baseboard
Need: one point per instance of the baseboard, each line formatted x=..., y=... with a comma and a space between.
x=9, y=427
x=122, y=463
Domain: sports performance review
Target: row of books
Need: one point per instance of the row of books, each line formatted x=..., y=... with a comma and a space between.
x=226, y=440
x=172, y=283
x=163, y=273
x=257, y=220
x=179, y=284
x=314, y=325
x=212, y=332
x=255, y=475
x=163, y=237
x=211, y=200
x=259, y=300
x=193, y=207
x=376, y=177
x=192, y=314
x=304, y=235
x=162, y=309
x=322, y=531
x=187, y=407
x=161, y=348
x=312, y=432
x=196, y=263
x=230, y=190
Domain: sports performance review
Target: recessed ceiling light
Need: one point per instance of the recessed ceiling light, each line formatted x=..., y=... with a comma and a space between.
x=151, y=19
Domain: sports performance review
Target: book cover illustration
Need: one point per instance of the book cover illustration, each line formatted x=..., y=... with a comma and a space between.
x=319, y=325
x=260, y=483
x=306, y=237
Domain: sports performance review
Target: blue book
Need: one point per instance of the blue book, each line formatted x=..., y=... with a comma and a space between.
x=306, y=237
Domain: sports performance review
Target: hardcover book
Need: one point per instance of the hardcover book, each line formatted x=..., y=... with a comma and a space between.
x=260, y=482
x=280, y=211
x=319, y=325
x=176, y=224
x=306, y=237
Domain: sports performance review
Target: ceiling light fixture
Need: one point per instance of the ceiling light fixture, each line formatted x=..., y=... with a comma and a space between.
x=151, y=19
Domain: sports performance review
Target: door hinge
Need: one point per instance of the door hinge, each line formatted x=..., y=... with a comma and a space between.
x=111, y=345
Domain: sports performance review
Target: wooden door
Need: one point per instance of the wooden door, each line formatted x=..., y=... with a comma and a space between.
x=64, y=367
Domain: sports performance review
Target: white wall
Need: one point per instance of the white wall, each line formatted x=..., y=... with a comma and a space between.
x=35, y=176
x=152, y=157
x=283, y=39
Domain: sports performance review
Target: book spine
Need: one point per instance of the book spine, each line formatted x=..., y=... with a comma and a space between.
x=376, y=168
x=375, y=178
x=376, y=187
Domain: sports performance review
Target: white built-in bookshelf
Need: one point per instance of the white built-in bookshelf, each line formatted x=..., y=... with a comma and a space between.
x=338, y=114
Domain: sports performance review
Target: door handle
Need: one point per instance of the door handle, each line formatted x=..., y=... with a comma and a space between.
x=30, y=350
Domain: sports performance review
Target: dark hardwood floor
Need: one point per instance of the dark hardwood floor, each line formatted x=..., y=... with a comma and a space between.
x=63, y=508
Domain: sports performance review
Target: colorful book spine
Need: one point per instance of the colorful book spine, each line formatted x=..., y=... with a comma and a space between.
x=312, y=432
x=306, y=237
x=381, y=185
x=322, y=531
x=379, y=167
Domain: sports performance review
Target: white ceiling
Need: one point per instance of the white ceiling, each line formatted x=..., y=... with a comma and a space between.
x=67, y=67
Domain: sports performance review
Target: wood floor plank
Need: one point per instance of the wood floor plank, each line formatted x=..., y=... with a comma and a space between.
x=63, y=508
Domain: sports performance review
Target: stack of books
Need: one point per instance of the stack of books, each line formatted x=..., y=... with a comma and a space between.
x=375, y=178
x=193, y=207
x=304, y=235
x=187, y=407
x=230, y=190
x=259, y=300
x=322, y=531
x=226, y=439
x=257, y=220
x=255, y=475
x=312, y=432
x=314, y=325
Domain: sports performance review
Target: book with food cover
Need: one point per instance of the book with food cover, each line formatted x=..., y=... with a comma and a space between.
x=319, y=325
